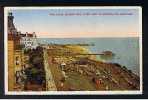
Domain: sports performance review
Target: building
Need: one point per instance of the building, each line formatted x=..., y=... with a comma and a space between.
x=11, y=65
x=11, y=26
x=29, y=40
x=18, y=58
x=14, y=53
x=13, y=34
x=11, y=48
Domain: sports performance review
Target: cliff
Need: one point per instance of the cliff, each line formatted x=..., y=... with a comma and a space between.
x=84, y=72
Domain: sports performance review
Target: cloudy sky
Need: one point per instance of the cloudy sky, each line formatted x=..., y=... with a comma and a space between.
x=52, y=24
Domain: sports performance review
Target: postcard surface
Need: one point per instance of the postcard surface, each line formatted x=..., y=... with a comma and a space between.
x=73, y=50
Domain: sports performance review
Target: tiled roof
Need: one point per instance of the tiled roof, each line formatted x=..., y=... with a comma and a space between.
x=13, y=37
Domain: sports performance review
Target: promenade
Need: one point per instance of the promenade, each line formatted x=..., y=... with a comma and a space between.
x=50, y=84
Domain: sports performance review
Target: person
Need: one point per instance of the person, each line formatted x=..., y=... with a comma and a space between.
x=64, y=74
x=63, y=65
x=16, y=77
x=107, y=88
x=62, y=83
x=23, y=76
x=98, y=72
x=98, y=82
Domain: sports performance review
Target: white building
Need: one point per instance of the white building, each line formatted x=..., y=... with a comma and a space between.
x=29, y=40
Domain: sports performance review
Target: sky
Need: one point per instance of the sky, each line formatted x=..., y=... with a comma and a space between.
x=46, y=24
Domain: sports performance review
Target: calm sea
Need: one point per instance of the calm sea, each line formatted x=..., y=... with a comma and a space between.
x=126, y=49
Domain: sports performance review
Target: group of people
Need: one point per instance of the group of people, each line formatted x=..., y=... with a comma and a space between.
x=20, y=77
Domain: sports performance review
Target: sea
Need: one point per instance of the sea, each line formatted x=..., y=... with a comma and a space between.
x=126, y=50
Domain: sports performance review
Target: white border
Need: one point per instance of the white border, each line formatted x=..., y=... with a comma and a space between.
x=72, y=92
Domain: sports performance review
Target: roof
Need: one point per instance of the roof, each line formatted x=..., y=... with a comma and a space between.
x=14, y=37
x=27, y=34
x=30, y=35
